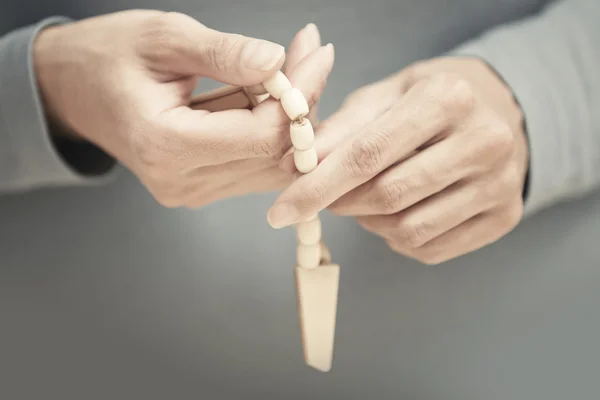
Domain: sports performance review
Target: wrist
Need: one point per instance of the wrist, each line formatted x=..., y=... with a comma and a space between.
x=46, y=54
x=49, y=60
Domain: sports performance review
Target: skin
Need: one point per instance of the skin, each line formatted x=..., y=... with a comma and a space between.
x=432, y=159
x=130, y=96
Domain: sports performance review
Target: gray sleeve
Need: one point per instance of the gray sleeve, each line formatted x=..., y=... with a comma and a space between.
x=30, y=156
x=551, y=62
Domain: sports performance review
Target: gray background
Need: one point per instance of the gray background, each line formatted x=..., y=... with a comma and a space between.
x=106, y=295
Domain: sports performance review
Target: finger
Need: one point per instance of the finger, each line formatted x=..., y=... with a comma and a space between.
x=430, y=218
x=424, y=174
x=415, y=119
x=198, y=185
x=199, y=138
x=178, y=44
x=310, y=77
x=349, y=119
x=304, y=43
x=267, y=180
x=307, y=40
x=480, y=231
x=231, y=170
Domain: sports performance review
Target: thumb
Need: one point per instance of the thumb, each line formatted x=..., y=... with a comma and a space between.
x=190, y=48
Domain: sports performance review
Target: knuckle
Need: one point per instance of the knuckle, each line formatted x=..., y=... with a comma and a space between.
x=316, y=194
x=501, y=140
x=366, y=154
x=168, y=21
x=166, y=197
x=394, y=246
x=413, y=233
x=159, y=35
x=411, y=75
x=367, y=224
x=173, y=18
x=221, y=51
x=168, y=201
x=165, y=191
x=511, y=180
x=389, y=196
x=431, y=258
x=513, y=214
x=456, y=95
x=494, y=141
x=264, y=146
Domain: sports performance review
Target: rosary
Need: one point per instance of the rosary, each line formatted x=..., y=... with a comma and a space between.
x=317, y=279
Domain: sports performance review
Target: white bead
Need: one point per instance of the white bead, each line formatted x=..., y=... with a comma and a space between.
x=309, y=232
x=302, y=134
x=294, y=104
x=308, y=256
x=306, y=160
x=277, y=85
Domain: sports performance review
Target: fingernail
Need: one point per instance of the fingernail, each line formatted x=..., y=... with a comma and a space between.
x=261, y=54
x=311, y=27
x=282, y=215
x=287, y=163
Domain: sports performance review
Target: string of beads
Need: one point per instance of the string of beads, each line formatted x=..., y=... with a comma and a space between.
x=302, y=135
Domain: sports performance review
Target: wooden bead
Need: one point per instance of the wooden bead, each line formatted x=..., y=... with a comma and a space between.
x=306, y=160
x=309, y=232
x=294, y=104
x=277, y=85
x=302, y=134
x=308, y=255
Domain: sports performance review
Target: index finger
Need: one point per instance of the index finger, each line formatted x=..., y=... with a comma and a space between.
x=419, y=116
x=309, y=76
x=228, y=135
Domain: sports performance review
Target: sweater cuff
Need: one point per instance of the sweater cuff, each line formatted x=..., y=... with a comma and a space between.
x=557, y=152
x=31, y=157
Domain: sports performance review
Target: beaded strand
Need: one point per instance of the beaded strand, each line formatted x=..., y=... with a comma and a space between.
x=302, y=136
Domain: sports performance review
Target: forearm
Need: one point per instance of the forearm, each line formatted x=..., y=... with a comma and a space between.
x=551, y=62
x=33, y=154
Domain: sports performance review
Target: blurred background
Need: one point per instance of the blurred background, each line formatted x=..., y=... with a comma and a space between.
x=104, y=294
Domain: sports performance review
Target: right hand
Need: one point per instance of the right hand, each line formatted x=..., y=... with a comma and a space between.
x=124, y=82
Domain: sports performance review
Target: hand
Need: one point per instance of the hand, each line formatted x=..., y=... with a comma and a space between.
x=124, y=82
x=432, y=159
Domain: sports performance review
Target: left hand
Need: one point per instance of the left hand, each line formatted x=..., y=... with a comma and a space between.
x=433, y=159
